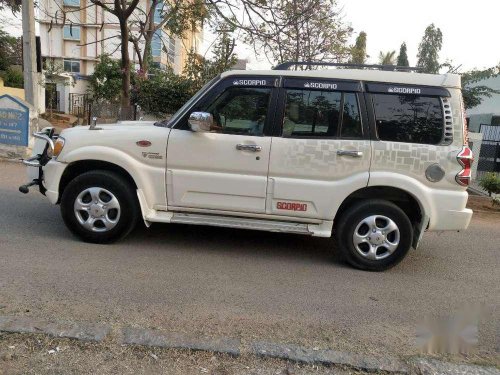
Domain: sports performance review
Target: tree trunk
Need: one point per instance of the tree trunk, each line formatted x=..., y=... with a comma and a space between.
x=148, y=38
x=125, y=65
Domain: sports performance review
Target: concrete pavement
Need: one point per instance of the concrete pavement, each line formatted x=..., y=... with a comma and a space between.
x=245, y=284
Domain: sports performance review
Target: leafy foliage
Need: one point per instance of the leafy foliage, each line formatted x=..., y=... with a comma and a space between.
x=10, y=50
x=106, y=81
x=163, y=93
x=429, y=48
x=472, y=92
x=200, y=70
x=13, y=77
x=491, y=183
x=52, y=72
x=157, y=18
x=387, y=58
x=358, y=51
x=14, y=5
x=293, y=30
x=403, y=56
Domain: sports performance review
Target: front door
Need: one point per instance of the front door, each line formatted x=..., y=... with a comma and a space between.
x=224, y=169
x=324, y=151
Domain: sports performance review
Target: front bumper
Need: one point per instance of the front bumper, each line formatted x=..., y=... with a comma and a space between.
x=52, y=174
x=44, y=142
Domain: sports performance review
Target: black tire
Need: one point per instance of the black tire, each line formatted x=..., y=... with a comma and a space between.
x=125, y=217
x=354, y=216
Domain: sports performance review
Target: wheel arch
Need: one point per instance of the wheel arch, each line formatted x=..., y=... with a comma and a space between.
x=79, y=167
x=405, y=200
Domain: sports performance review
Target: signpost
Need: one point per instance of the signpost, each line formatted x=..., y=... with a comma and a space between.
x=14, y=121
x=18, y=120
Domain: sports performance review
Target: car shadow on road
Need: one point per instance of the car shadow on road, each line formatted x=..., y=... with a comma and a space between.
x=198, y=238
x=47, y=223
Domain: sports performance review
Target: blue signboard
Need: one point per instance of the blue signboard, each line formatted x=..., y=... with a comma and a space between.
x=14, y=121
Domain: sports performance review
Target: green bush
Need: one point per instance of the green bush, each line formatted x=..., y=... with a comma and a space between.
x=491, y=183
x=13, y=77
x=163, y=93
x=106, y=81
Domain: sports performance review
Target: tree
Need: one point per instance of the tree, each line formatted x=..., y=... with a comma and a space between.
x=387, y=58
x=10, y=50
x=358, y=51
x=200, y=70
x=491, y=183
x=105, y=82
x=472, y=91
x=53, y=71
x=294, y=30
x=403, y=56
x=13, y=77
x=163, y=93
x=162, y=20
x=223, y=50
x=14, y=5
x=122, y=10
x=429, y=48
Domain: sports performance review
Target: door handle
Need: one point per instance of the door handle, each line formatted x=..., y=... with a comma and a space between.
x=253, y=148
x=352, y=154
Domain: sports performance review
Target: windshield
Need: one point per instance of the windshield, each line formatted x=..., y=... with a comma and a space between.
x=188, y=104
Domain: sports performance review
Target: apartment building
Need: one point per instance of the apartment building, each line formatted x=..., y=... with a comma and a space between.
x=75, y=33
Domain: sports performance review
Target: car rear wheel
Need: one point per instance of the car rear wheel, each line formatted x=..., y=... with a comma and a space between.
x=99, y=206
x=374, y=235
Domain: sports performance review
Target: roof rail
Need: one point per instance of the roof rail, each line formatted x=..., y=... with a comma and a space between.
x=288, y=64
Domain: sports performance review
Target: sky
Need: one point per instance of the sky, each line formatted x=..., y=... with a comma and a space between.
x=471, y=30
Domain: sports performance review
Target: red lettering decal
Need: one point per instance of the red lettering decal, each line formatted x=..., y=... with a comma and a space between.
x=291, y=206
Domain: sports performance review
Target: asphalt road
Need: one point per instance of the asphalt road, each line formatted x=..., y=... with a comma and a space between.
x=245, y=284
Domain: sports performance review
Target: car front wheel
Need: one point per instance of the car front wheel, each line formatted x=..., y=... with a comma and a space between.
x=374, y=235
x=99, y=206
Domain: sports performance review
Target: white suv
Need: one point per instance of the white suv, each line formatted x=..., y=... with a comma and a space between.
x=376, y=157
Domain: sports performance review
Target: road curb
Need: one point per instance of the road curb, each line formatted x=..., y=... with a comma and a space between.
x=80, y=331
x=232, y=347
x=148, y=337
x=328, y=357
x=430, y=366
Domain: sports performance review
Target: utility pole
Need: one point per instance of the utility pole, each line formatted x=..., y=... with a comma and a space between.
x=29, y=53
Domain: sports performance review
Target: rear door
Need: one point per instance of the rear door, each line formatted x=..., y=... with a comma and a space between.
x=323, y=150
x=225, y=169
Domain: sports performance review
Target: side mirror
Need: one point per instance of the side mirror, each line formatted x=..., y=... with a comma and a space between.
x=200, y=121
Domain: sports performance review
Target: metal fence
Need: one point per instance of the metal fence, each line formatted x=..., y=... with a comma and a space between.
x=105, y=112
x=489, y=156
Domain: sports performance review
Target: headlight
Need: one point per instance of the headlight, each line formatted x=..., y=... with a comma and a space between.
x=58, y=147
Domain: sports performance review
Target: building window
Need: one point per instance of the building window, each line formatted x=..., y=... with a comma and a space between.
x=72, y=3
x=409, y=118
x=160, y=11
x=72, y=66
x=71, y=32
x=171, y=49
x=156, y=44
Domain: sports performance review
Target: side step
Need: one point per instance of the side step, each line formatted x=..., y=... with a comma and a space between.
x=241, y=223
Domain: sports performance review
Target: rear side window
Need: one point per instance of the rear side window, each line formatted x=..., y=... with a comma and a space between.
x=329, y=114
x=409, y=118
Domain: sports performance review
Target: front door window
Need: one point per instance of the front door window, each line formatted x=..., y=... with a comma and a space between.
x=240, y=110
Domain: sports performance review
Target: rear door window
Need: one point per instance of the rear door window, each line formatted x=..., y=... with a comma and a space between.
x=321, y=109
x=409, y=118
